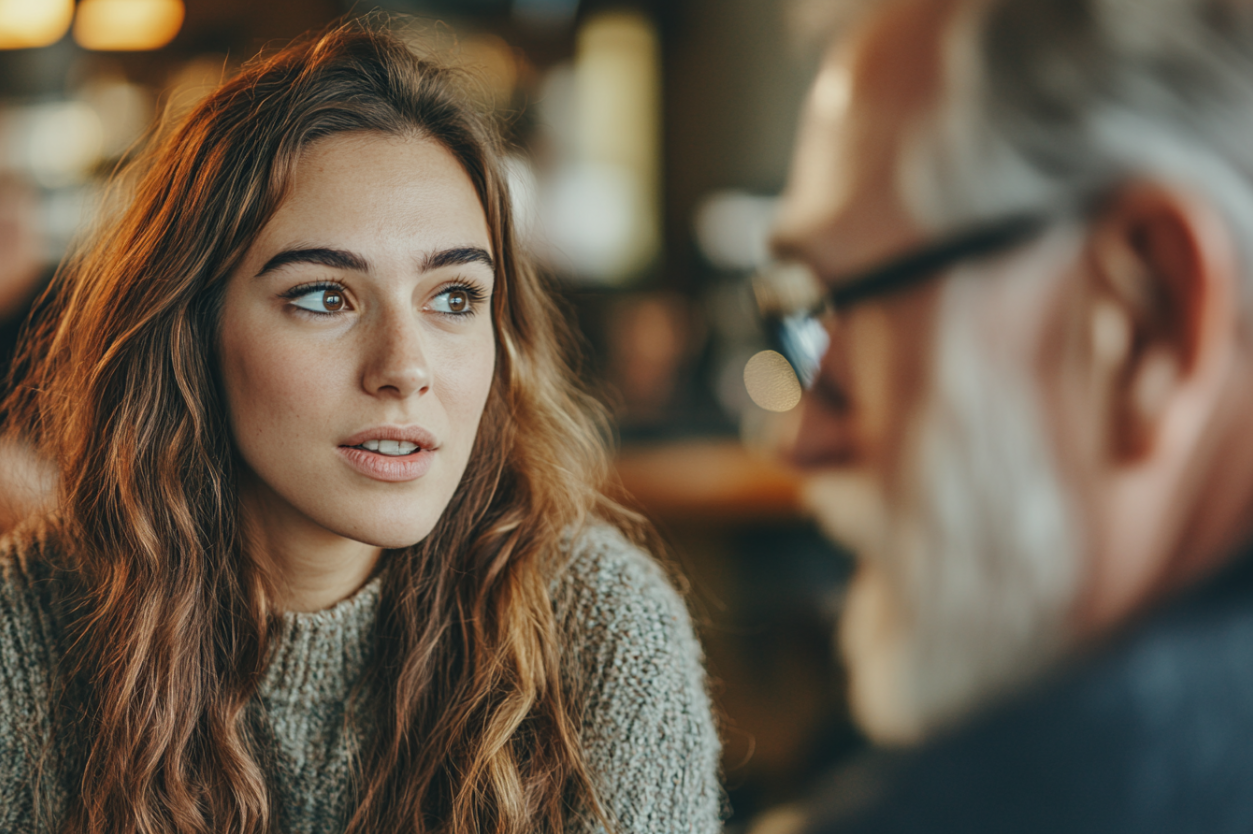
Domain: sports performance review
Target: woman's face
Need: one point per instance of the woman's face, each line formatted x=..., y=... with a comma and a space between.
x=356, y=342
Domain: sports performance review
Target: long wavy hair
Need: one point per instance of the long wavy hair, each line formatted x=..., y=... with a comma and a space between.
x=170, y=623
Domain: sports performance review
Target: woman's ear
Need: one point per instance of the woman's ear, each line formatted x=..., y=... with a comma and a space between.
x=1162, y=312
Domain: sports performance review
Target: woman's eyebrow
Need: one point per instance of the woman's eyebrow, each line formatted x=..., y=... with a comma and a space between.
x=457, y=256
x=341, y=259
x=336, y=258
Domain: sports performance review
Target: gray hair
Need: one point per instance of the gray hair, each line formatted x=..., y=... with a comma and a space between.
x=1045, y=100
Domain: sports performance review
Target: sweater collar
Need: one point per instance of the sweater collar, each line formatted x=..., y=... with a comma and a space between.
x=321, y=655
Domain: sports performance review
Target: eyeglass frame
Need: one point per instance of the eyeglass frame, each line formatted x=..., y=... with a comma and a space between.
x=900, y=272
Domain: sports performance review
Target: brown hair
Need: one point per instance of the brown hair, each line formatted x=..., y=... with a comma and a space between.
x=171, y=623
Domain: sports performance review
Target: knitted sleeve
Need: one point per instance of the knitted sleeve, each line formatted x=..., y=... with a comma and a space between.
x=648, y=730
x=26, y=659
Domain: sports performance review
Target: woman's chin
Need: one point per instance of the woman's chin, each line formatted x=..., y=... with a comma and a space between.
x=389, y=530
x=391, y=537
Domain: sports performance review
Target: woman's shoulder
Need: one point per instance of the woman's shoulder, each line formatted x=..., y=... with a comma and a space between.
x=648, y=729
x=28, y=630
x=26, y=557
x=610, y=590
x=601, y=563
x=28, y=653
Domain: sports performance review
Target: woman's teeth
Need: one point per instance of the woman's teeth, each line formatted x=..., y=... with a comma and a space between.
x=390, y=447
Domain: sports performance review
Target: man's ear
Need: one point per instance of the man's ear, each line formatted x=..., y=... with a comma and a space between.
x=1163, y=310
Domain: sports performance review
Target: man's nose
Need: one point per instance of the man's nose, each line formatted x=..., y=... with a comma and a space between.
x=397, y=363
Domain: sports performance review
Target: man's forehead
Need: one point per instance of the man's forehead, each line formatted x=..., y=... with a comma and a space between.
x=873, y=84
x=895, y=53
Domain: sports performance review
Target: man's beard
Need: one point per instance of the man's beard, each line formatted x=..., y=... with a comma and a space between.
x=970, y=561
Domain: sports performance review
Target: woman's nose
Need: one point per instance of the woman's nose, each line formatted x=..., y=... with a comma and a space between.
x=397, y=363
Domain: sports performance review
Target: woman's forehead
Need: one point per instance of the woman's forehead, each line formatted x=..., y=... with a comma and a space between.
x=378, y=191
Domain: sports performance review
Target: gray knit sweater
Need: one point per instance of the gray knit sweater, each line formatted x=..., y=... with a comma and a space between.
x=648, y=734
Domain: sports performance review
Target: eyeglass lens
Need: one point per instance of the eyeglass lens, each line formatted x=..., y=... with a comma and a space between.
x=803, y=341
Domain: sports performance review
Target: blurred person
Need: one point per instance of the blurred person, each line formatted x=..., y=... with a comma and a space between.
x=25, y=479
x=648, y=339
x=21, y=250
x=330, y=552
x=1022, y=233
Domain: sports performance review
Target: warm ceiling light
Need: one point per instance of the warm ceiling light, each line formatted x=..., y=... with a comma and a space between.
x=28, y=23
x=127, y=25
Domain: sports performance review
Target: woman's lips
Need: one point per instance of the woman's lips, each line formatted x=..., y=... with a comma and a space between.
x=413, y=434
x=382, y=467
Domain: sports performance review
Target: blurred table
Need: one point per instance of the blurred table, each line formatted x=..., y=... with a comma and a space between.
x=708, y=480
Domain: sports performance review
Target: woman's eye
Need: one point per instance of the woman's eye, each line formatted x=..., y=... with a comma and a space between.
x=453, y=300
x=322, y=300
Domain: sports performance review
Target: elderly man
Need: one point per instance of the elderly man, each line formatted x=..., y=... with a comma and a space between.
x=1017, y=272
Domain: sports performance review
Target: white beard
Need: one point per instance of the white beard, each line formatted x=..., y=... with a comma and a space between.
x=970, y=570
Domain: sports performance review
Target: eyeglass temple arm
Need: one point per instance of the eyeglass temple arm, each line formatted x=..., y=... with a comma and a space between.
x=919, y=266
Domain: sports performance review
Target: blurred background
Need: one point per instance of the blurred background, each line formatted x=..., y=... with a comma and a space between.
x=651, y=139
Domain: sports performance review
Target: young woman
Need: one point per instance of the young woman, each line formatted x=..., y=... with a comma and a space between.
x=329, y=552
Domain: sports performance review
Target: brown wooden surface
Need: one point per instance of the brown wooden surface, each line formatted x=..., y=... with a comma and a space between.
x=715, y=479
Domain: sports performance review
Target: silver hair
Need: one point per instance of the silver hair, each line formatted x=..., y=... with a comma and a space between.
x=1045, y=100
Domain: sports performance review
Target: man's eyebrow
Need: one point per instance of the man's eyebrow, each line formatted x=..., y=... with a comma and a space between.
x=457, y=256
x=335, y=258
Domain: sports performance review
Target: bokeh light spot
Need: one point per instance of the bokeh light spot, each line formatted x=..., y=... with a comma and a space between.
x=127, y=25
x=771, y=382
x=32, y=23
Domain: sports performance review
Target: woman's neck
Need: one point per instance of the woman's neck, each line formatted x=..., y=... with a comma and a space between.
x=314, y=568
x=316, y=575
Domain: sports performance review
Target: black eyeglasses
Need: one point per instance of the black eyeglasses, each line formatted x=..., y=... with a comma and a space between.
x=794, y=305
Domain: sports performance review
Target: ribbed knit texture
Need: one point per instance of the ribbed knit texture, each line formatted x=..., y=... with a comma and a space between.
x=649, y=738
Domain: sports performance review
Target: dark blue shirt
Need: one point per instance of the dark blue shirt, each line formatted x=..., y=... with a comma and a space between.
x=1153, y=734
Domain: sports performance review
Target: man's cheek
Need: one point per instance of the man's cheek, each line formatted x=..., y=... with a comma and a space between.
x=849, y=507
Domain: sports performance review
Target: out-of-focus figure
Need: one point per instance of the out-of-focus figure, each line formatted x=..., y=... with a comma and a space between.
x=25, y=481
x=1017, y=265
x=21, y=245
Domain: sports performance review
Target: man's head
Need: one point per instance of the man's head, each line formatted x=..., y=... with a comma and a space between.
x=1037, y=446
